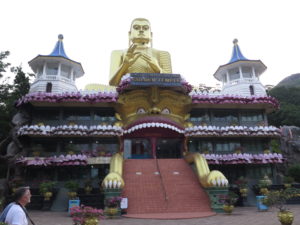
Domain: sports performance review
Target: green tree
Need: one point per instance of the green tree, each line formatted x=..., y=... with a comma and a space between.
x=9, y=93
x=289, y=112
x=5, y=88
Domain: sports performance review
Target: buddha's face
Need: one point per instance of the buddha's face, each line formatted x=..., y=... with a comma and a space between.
x=140, y=31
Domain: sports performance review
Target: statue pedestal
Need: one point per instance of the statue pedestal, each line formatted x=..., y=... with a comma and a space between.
x=216, y=196
x=112, y=213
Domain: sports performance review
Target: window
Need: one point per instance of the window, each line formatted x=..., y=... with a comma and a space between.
x=103, y=147
x=73, y=115
x=254, y=146
x=44, y=147
x=202, y=146
x=65, y=71
x=75, y=146
x=45, y=115
x=49, y=88
x=234, y=74
x=251, y=88
x=247, y=73
x=105, y=116
x=52, y=69
x=226, y=146
x=251, y=116
x=225, y=116
x=199, y=117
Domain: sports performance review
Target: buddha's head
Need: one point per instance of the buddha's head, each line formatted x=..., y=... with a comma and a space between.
x=140, y=31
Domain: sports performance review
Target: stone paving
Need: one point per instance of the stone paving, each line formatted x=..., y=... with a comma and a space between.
x=240, y=216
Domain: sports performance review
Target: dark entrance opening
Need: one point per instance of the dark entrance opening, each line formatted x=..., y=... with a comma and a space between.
x=167, y=148
x=141, y=148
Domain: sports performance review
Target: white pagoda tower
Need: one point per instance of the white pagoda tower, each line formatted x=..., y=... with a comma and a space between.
x=240, y=76
x=56, y=72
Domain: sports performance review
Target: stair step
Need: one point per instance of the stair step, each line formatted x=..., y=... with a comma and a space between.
x=145, y=185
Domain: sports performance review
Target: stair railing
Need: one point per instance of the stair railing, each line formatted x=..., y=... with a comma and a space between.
x=162, y=182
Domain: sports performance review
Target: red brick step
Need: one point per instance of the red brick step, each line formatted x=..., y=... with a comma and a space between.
x=163, y=188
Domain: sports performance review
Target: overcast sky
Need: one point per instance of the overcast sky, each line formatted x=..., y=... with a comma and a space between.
x=198, y=34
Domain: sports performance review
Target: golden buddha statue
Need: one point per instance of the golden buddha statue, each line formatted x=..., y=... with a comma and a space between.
x=140, y=57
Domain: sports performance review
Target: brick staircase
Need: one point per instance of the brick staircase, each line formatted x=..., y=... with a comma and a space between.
x=163, y=189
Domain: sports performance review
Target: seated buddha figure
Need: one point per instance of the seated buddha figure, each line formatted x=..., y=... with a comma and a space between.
x=140, y=57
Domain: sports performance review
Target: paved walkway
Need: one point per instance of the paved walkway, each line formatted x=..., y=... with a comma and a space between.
x=240, y=216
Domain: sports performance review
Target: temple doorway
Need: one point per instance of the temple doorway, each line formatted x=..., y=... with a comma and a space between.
x=153, y=147
x=167, y=148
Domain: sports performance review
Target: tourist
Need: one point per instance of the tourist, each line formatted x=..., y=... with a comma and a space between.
x=15, y=213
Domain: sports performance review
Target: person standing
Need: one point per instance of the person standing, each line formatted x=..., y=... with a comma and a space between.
x=15, y=213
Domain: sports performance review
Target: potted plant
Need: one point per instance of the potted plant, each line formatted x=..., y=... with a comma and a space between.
x=238, y=149
x=37, y=150
x=88, y=186
x=112, y=205
x=46, y=189
x=287, y=181
x=263, y=184
x=275, y=146
x=72, y=186
x=229, y=201
x=278, y=200
x=242, y=184
x=86, y=215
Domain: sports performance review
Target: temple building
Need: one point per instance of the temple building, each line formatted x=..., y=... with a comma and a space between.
x=141, y=134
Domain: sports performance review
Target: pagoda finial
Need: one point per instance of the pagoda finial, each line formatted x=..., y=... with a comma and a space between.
x=236, y=52
x=60, y=37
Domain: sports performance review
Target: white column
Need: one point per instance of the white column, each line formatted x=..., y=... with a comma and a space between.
x=44, y=70
x=59, y=70
x=241, y=73
x=227, y=75
x=72, y=75
x=253, y=72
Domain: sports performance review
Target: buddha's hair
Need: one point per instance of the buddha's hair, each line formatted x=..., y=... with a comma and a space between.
x=139, y=19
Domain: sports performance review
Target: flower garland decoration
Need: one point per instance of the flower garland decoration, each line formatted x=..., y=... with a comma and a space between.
x=91, y=98
x=257, y=131
x=70, y=130
x=244, y=158
x=62, y=160
x=233, y=99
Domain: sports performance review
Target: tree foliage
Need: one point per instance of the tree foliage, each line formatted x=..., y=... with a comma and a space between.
x=9, y=93
x=289, y=113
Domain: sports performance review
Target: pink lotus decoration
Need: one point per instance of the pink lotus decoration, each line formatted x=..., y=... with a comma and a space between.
x=62, y=160
x=209, y=131
x=233, y=99
x=70, y=130
x=91, y=98
x=244, y=158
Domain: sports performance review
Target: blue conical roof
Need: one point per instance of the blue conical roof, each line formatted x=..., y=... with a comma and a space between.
x=59, y=48
x=236, y=53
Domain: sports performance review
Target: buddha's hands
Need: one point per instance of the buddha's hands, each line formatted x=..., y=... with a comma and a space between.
x=131, y=56
x=153, y=63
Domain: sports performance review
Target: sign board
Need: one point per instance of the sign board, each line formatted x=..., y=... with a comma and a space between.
x=155, y=79
x=73, y=203
x=124, y=203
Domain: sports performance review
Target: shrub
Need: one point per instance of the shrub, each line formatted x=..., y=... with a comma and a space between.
x=72, y=185
x=294, y=171
x=46, y=186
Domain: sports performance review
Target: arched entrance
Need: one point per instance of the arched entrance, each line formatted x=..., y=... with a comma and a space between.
x=153, y=142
